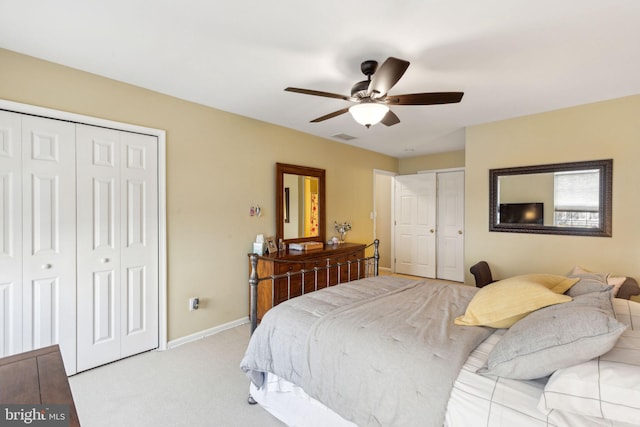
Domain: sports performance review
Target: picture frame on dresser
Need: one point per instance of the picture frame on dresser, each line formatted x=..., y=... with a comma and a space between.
x=272, y=245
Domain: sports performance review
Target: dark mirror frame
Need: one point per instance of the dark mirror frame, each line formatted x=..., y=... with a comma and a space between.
x=283, y=168
x=606, y=179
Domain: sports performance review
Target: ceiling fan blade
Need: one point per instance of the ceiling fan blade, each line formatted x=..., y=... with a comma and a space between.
x=330, y=115
x=390, y=119
x=430, y=98
x=319, y=93
x=387, y=76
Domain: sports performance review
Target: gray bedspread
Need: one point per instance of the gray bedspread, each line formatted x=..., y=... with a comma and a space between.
x=383, y=351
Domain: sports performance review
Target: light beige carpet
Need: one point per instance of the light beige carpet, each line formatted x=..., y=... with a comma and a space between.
x=197, y=384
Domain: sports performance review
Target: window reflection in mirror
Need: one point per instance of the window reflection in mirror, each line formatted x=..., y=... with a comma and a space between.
x=567, y=198
x=560, y=199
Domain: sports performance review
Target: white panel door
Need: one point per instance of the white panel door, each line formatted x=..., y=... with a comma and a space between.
x=451, y=226
x=415, y=224
x=49, y=236
x=139, y=237
x=10, y=233
x=117, y=245
x=98, y=151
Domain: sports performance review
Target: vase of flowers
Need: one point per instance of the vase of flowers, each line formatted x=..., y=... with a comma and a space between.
x=342, y=229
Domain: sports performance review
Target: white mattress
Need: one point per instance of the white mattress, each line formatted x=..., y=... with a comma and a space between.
x=475, y=400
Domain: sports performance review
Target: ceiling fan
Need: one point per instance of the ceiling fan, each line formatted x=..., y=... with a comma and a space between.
x=371, y=97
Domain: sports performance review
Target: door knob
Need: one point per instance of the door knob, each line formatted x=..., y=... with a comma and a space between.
x=104, y=260
x=46, y=266
x=459, y=231
x=432, y=231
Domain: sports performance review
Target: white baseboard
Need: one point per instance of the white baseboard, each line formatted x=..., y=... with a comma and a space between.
x=199, y=335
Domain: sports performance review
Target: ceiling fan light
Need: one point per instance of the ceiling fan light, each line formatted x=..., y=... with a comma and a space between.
x=368, y=113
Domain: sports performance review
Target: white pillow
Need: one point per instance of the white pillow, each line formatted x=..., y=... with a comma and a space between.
x=615, y=281
x=606, y=387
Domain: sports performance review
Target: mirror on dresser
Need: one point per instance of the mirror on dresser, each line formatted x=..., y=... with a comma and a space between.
x=563, y=198
x=300, y=203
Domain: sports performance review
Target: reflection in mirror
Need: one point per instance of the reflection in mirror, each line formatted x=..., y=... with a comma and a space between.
x=301, y=199
x=300, y=203
x=566, y=198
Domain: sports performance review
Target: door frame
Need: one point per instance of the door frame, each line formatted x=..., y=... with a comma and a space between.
x=374, y=213
x=18, y=107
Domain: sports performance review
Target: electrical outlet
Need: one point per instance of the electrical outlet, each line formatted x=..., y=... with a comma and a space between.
x=194, y=303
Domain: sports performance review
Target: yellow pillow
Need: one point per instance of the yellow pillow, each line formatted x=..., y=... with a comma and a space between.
x=503, y=303
x=553, y=282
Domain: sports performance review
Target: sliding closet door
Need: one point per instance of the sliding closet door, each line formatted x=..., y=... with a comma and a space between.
x=49, y=235
x=117, y=245
x=10, y=233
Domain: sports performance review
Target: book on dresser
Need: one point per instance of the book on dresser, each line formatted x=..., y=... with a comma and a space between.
x=273, y=292
x=305, y=246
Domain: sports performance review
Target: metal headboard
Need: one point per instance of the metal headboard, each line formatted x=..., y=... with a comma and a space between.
x=371, y=262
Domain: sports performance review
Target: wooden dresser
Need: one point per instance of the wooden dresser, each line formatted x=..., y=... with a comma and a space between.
x=292, y=261
x=37, y=377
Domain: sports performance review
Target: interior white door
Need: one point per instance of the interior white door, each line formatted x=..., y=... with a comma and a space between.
x=10, y=233
x=451, y=226
x=58, y=231
x=117, y=245
x=49, y=236
x=98, y=151
x=139, y=231
x=415, y=224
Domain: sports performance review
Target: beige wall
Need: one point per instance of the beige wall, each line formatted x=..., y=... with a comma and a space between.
x=602, y=130
x=218, y=166
x=447, y=160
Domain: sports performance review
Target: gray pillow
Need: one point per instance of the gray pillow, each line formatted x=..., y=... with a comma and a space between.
x=555, y=337
x=589, y=282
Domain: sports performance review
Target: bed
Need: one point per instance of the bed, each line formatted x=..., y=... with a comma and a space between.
x=386, y=351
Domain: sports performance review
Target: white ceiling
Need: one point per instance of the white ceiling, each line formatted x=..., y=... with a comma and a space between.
x=510, y=57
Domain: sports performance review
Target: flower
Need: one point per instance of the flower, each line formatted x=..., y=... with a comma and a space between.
x=342, y=228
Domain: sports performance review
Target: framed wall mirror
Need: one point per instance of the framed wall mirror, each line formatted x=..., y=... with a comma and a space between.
x=300, y=203
x=562, y=198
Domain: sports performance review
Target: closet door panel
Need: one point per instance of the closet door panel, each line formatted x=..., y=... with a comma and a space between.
x=140, y=248
x=44, y=294
x=451, y=226
x=99, y=242
x=10, y=233
x=415, y=224
x=49, y=235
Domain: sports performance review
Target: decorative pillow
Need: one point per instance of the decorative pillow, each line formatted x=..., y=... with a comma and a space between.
x=610, y=279
x=556, y=337
x=503, y=303
x=606, y=387
x=587, y=283
x=616, y=282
